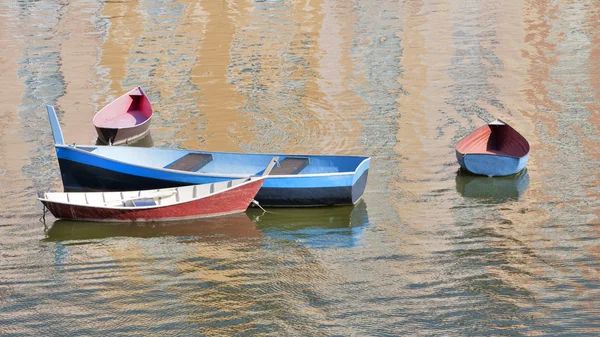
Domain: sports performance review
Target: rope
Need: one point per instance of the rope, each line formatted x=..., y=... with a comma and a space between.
x=42, y=219
x=259, y=206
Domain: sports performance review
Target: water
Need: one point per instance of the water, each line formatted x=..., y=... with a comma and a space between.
x=430, y=251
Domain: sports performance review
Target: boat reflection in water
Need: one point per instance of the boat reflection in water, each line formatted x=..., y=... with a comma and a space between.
x=145, y=141
x=236, y=226
x=493, y=189
x=320, y=227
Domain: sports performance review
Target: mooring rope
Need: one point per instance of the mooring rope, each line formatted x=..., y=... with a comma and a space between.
x=42, y=219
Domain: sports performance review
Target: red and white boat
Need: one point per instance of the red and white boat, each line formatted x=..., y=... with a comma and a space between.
x=495, y=149
x=124, y=120
x=179, y=203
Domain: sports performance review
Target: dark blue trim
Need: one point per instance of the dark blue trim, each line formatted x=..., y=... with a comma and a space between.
x=78, y=177
x=304, y=197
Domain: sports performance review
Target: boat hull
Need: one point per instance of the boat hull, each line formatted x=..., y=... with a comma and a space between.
x=122, y=136
x=491, y=164
x=495, y=149
x=276, y=191
x=229, y=202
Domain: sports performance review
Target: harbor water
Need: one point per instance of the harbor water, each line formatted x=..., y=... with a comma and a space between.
x=429, y=251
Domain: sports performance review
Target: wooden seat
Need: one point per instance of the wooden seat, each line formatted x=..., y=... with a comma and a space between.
x=191, y=162
x=143, y=202
x=290, y=165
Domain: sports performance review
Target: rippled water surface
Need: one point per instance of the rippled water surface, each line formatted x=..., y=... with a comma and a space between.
x=429, y=251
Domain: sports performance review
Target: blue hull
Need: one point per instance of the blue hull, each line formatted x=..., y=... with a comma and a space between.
x=80, y=177
x=492, y=165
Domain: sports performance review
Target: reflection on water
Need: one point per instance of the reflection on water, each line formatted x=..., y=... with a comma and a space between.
x=219, y=228
x=492, y=189
x=399, y=81
x=145, y=141
x=323, y=227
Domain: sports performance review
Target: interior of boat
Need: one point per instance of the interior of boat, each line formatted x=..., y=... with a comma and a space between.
x=146, y=198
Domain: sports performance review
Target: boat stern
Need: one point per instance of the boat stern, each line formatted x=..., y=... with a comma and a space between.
x=494, y=165
x=359, y=181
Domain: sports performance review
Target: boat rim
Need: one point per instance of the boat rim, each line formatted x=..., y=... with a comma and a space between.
x=118, y=98
x=204, y=174
x=492, y=155
x=251, y=179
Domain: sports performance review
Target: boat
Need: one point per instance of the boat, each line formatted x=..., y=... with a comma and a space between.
x=296, y=181
x=124, y=120
x=495, y=149
x=168, y=204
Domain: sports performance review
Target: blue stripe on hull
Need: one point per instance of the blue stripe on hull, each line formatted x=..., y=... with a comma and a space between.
x=81, y=177
x=493, y=165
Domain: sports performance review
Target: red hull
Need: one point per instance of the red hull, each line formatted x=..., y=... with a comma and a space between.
x=228, y=202
x=499, y=139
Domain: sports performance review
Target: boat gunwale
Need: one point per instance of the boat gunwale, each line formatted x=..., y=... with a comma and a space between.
x=520, y=137
x=147, y=120
x=217, y=175
x=250, y=180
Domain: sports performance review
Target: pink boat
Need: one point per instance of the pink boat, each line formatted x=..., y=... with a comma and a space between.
x=179, y=203
x=125, y=120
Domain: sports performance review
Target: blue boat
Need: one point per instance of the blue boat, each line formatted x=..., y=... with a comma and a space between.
x=495, y=149
x=296, y=181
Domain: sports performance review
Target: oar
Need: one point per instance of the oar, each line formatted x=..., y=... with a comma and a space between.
x=162, y=194
x=272, y=164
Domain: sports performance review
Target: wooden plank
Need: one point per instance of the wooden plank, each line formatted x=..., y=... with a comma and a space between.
x=290, y=165
x=274, y=161
x=144, y=202
x=191, y=162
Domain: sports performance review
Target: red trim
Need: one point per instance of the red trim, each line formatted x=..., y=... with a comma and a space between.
x=494, y=139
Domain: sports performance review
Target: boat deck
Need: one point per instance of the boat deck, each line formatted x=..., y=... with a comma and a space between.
x=131, y=118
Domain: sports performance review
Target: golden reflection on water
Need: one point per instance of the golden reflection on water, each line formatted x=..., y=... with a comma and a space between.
x=13, y=150
x=125, y=28
x=334, y=103
x=422, y=146
x=590, y=145
x=218, y=100
x=78, y=55
x=315, y=76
